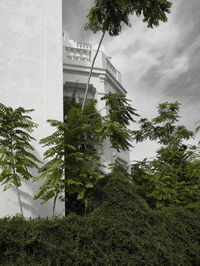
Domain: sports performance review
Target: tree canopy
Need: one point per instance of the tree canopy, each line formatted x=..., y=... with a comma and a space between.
x=108, y=15
x=173, y=177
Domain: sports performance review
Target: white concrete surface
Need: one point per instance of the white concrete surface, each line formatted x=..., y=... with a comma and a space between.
x=31, y=76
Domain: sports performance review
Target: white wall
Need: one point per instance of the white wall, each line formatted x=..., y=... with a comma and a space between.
x=31, y=75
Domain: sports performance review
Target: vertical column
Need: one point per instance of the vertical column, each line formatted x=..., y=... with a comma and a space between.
x=31, y=77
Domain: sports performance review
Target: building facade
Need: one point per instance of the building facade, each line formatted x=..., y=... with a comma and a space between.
x=77, y=59
x=31, y=76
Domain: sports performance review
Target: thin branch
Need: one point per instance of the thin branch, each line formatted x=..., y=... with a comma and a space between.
x=91, y=69
x=98, y=111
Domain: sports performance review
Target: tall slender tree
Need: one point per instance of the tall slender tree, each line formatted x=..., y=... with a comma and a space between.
x=109, y=15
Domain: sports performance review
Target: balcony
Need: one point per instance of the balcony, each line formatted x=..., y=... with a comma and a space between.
x=83, y=54
x=78, y=54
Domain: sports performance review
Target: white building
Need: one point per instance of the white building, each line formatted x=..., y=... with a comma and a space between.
x=105, y=78
x=31, y=76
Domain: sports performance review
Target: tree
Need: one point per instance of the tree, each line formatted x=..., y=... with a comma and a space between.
x=173, y=176
x=74, y=162
x=52, y=171
x=75, y=165
x=16, y=152
x=109, y=15
x=115, y=126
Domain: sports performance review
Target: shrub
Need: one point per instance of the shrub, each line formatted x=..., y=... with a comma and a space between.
x=120, y=230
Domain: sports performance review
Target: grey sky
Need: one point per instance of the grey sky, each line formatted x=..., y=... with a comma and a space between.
x=157, y=65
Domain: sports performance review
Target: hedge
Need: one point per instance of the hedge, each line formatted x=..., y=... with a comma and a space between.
x=120, y=230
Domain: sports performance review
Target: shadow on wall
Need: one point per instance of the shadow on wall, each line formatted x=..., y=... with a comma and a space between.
x=34, y=208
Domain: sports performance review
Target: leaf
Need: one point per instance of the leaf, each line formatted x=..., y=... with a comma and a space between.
x=81, y=195
x=15, y=147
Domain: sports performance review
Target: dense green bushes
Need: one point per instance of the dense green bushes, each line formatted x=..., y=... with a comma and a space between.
x=120, y=230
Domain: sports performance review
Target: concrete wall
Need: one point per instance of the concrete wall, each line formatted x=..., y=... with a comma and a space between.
x=31, y=76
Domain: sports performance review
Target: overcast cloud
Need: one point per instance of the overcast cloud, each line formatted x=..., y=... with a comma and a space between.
x=157, y=65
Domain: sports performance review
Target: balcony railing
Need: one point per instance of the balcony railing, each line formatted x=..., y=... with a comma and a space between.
x=78, y=54
x=113, y=70
x=83, y=53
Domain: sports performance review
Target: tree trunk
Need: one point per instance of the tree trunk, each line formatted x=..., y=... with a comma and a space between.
x=90, y=74
x=54, y=205
x=19, y=201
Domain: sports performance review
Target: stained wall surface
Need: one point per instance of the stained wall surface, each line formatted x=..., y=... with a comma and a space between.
x=31, y=77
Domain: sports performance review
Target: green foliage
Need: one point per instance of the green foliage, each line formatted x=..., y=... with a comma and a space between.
x=108, y=15
x=74, y=165
x=115, y=124
x=163, y=128
x=52, y=171
x=119, y=136
x=120, y=110
x=121, y=230
x=16, y=157
x=173, y=176
x=73, y=161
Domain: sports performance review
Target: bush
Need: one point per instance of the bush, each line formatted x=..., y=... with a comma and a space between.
x=121, y=230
